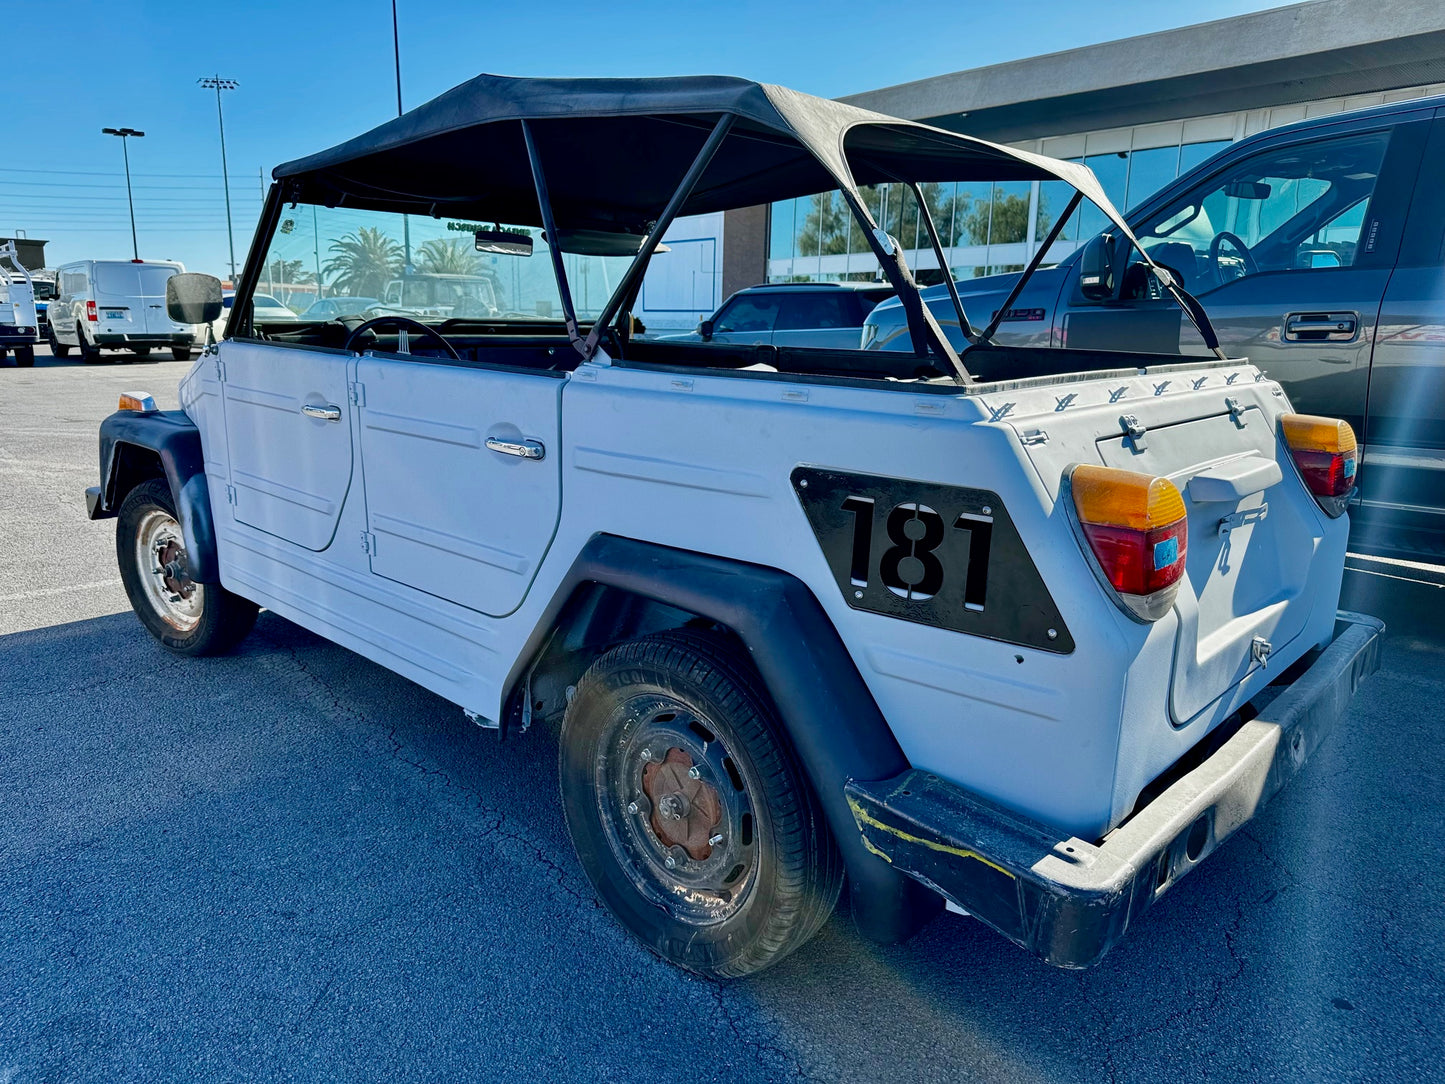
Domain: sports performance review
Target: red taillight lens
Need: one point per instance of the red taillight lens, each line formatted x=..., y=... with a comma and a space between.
x=1136, y=528
x=90, y=313
x=1325, y=452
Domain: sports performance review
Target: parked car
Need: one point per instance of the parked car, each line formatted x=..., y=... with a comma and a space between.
x=936, y=621
x=1316, y=249
x=45, y=292
x=18, y=321
x=116, y=305
x=822, y=314
x=425, y=293
x=329, y=308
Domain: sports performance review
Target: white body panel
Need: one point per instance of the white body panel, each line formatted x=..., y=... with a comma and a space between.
x=130, y=300
x=702, y=462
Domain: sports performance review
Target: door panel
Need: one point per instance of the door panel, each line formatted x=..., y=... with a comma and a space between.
x=447, y=514
x=290, y=472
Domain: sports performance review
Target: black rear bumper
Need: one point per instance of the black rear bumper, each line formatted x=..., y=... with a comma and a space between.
x=1068, y=900
x=127, y=341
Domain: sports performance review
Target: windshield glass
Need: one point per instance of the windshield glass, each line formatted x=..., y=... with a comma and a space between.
x=425, y=268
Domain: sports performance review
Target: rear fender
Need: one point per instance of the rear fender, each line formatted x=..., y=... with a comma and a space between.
x=135, y=447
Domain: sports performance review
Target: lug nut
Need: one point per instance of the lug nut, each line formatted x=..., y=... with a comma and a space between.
x=693, y=773
x=715, y=840
x=632, y=808
x=671, y=862
x=647, y=754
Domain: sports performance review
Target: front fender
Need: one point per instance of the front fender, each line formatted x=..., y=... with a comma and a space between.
x=132, y=445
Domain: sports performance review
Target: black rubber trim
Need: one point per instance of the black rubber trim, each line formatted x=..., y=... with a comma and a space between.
x=1069, y=900
x=830, y=716
x=116, y=339
x=175, y=439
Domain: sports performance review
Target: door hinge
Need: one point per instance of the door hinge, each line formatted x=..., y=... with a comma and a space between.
x=220, y=370
x=368, y=542
x=356, y=393
x=230, y=494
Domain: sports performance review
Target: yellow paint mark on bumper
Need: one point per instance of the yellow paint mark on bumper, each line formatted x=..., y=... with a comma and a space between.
x=864, y=817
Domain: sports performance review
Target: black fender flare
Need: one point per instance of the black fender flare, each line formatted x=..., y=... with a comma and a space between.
x=174, y=439
x=830, y=716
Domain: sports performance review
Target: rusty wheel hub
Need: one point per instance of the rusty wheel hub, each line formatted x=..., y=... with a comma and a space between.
x=685, y=808
x=172, y=561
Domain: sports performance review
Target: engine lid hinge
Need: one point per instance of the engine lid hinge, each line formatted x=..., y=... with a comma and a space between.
x=1133, y=432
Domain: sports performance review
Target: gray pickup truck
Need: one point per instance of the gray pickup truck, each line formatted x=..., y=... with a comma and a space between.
x=1319, y=251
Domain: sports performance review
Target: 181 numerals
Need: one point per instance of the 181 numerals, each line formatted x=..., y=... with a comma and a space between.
x=911, y=567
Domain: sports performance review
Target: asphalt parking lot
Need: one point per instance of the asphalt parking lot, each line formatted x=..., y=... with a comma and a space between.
x=292, y=864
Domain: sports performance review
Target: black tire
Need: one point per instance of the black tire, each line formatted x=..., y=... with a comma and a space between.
x=141, y=351
x=25, y=356
x=679, y=702
x=210, y=620
x=181, y=353
x=58, y=348
x=88, y=352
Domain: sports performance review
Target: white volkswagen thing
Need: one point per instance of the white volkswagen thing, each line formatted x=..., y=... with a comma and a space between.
x=1024, y=632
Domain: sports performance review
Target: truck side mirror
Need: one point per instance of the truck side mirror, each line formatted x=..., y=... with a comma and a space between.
x=1097, y=278
x=193, y=298
x=704, y=328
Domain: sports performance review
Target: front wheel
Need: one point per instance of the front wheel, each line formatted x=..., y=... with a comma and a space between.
x=689, y=812
x=189, y=618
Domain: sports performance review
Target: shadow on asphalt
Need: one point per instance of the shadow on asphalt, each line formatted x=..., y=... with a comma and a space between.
x=290, y=861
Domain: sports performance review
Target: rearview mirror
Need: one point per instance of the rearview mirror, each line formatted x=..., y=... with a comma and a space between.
x=1097, y=280
x=193, y=298
x=1247, y=190
x=504, y=242
x=704, y=328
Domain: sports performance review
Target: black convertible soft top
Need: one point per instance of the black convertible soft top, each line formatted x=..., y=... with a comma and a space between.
x=615, y=148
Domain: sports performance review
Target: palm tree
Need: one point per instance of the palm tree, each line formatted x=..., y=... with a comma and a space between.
x=454, y=256
x=363, y=262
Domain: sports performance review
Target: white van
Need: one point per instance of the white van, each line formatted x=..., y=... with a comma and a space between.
x=116, y=305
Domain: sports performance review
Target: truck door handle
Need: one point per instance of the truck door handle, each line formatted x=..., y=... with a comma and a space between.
x=526, y=449
x=1300, y=327
x=326, y=413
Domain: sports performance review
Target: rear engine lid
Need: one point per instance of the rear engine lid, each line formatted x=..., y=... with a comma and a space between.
x=1246, y=593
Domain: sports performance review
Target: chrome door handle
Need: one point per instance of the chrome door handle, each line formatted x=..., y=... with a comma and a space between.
x=526, y=449
x=326, y=413
x=1320, y=326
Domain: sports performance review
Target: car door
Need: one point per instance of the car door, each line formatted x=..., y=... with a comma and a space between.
x=153, y=279
x=119, y=307
x=827, y=320
x=1290, y=250
x=288, y=434
x=747, y=319
x=461, y=467
x=1402, y=474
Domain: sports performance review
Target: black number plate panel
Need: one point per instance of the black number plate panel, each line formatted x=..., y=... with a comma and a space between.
x=940, y=555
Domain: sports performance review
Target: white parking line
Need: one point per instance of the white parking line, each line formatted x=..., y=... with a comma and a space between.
x=46, y=592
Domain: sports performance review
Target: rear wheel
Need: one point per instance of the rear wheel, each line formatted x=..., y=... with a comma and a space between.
x=58, y=348
x=89, y=352
x=689, y=812
x=142, y=351
x=181, y=353
x=25, y=356
x=189, y=618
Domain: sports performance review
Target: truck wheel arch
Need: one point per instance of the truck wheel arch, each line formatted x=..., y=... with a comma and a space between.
x=135, y=447
x=620, y=588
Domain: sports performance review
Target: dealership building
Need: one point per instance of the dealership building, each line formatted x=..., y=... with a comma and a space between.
x=1138, y=112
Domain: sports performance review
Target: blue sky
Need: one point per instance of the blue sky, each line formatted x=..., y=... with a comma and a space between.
x=315, y=72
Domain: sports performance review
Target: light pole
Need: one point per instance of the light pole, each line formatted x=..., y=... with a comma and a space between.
x=125, y=134
x=405, y=219
x=218, y=84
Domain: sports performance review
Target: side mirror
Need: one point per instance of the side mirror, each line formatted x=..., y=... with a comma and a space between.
x=193, y=298
x=704, y=328
x=1097, y=279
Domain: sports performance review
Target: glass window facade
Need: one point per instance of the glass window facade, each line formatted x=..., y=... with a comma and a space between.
x=986, y=227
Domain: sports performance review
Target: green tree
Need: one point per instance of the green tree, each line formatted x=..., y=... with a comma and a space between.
x=453, y=256
x=288, y=271
x=363, y=263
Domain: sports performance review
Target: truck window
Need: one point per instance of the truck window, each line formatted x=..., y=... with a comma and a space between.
x=751, y=312
x=1297, y=207
x=815, y=310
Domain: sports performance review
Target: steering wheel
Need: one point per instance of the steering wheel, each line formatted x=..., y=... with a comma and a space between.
x=400, y=322
x=1251, y=267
